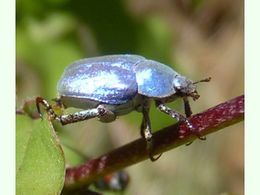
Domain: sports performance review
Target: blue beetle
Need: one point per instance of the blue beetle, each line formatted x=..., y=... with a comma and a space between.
x=114, y=85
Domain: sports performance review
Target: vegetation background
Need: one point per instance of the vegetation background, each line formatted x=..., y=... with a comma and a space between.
x=198, y=38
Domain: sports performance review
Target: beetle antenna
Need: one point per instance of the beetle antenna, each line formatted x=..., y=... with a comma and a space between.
x=203, y=80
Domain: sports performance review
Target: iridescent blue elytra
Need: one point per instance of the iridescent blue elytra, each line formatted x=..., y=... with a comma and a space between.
x=113, y=85
x=108, y=79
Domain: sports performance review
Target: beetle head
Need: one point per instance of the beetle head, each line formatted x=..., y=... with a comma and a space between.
x=185, y=87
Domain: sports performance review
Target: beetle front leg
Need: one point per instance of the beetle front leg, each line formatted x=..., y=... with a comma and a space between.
x=188, y=113
x=187, y=108
x=146, y=132
x=165, y=109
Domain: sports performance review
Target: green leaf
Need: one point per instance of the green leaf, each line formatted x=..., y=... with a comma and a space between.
x=40, y=164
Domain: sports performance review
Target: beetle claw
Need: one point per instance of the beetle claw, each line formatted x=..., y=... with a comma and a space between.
x=47, y=106
x=199, y=136
x=189, y=143
x=152, y=158
x=149, y=147
x=38, y=102
x=203, y=138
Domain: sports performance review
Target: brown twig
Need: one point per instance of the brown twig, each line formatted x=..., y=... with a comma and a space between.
x=211, y=120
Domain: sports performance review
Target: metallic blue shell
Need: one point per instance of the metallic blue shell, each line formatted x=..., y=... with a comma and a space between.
x=116, y=79
x=106, y=79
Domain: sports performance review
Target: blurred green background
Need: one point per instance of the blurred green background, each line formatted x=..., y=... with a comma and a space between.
x=198, y=38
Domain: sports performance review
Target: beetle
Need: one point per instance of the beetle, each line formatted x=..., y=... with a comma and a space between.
x=109, y=86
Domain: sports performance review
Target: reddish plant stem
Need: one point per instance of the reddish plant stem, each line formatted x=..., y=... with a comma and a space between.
x=209, y=121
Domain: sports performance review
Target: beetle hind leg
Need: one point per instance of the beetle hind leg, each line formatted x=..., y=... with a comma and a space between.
x=106, y=115
x=103, y=113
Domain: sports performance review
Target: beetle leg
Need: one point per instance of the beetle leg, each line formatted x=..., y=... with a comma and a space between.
x=101, y=112
x=107, y=115
x=165, y=109
x=187, y=108
x=104, y=114
x=188, y=113
x=146, y=132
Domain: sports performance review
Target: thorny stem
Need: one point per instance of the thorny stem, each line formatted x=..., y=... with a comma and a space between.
x=209, y=121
